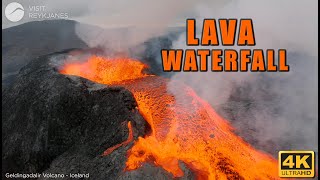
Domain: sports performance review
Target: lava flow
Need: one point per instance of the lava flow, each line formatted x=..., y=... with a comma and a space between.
x=187, y=131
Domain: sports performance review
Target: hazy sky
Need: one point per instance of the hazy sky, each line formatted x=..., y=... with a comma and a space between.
x=109, y=13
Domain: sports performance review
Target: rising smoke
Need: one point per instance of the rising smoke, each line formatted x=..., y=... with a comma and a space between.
x=272, y=110
x=277, y=109
x=126, y=24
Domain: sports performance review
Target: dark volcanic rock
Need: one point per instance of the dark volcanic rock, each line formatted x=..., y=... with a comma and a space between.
x=54, y=123
x=68, y=121
x=22, y=43
x=62, y=124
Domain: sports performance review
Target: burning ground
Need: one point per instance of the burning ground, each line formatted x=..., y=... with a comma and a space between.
x=60, y=123
x=66, y=123
x=191, y=132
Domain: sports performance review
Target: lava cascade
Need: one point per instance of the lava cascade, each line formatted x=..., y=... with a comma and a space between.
x=187, y=131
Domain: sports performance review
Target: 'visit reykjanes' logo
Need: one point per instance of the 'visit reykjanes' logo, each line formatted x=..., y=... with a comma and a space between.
x=14, y=12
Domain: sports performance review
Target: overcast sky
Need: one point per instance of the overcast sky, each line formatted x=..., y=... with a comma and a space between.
x=108, y=13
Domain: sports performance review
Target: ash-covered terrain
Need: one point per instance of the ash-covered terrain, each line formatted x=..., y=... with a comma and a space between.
x=53, y=123
x=62, y=124
x=22, y=43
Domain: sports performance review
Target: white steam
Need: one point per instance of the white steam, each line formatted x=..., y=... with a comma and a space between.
x=278, y=108
x=126, y=24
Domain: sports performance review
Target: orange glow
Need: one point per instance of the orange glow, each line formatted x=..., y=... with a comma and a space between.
x=130, y=138
x=190, y=131
x=106, y=72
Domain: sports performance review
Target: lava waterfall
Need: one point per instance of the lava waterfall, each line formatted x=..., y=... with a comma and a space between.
x=187, y=131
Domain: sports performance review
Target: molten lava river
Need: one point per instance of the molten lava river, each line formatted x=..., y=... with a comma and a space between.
x=190, y=131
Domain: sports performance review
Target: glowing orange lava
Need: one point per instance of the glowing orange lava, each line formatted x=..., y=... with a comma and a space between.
x=187, y=131
x=130, y=138
x=106, y=72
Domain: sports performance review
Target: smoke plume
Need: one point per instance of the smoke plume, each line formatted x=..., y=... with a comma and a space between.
x=272, y=110
x=278, y=108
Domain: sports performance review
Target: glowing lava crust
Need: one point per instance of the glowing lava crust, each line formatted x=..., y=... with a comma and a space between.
x=190, y=131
